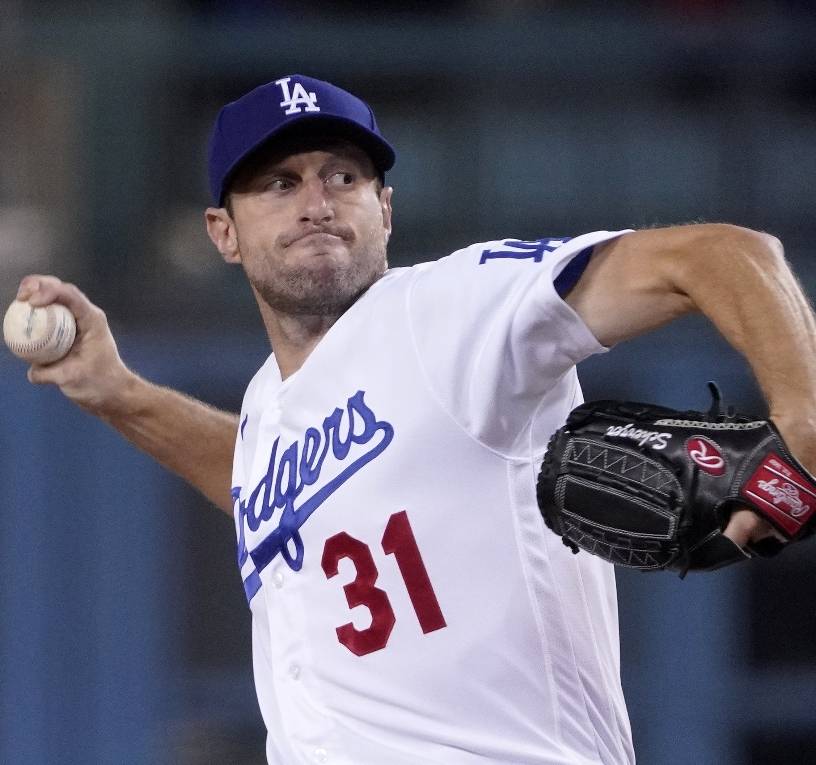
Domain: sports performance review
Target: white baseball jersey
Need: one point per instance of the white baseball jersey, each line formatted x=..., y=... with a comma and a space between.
x=409, y=605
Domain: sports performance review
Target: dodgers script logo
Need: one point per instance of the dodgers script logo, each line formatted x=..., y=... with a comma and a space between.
x=298, y=97
x=298, y=466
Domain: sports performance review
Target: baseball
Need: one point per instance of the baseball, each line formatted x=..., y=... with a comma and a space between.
x=39, y=335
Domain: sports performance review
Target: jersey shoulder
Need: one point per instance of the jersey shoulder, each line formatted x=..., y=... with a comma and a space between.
x=492, y=267
x=510, y=253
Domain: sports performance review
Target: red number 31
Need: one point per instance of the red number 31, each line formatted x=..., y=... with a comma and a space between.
x=399, y=541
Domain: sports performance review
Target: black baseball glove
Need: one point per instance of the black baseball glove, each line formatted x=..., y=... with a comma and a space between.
x=648, y=487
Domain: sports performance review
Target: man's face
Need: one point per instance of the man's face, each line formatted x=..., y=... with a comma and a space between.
x=311, y=228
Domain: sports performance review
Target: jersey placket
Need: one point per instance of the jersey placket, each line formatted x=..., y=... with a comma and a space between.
x=307, y=727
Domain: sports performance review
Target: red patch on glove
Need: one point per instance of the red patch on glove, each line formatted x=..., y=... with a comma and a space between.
x=784, y=495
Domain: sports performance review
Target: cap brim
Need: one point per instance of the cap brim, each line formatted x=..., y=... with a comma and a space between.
x=314, y=128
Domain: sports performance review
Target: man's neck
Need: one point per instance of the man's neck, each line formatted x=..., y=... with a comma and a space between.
x=293, y=337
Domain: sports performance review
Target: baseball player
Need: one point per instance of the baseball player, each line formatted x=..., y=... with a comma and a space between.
x=409, y=605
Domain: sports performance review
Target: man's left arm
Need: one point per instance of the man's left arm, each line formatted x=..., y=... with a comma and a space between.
x=740, y=281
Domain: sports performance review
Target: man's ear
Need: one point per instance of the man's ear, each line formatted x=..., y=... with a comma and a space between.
x=222, y=232
x=385, y=206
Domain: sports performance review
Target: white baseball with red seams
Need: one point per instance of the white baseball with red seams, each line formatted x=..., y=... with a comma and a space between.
x=409, y=605
x=40, y=335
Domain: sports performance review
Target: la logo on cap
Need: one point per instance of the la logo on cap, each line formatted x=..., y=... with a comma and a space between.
x=299, y=97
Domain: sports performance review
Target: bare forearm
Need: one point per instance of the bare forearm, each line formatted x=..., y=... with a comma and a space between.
x=764, y=315
x=739, y=279
x=743, y=284
x=188, y=437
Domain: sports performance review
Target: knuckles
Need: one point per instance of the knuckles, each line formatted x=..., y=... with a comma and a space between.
x=98, y=314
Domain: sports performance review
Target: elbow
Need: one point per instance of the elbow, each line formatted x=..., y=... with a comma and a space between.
x=722, y=251
x=750, y=243
x=774, y=246
x=721, y=243
x=766, y=246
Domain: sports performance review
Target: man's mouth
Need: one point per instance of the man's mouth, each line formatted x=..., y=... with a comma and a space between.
x=319, y=237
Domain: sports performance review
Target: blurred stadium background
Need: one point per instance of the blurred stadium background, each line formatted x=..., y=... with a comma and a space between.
x=124, y=635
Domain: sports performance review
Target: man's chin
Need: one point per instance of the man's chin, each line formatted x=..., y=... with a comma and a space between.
x=330, y=266
x=327, y=296
x=323, y=282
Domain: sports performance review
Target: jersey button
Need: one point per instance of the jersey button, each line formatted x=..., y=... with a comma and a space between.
x=294, y=671
x=277, y=580
x=320, y=755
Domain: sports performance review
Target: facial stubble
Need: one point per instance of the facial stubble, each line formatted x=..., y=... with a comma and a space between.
x=320, y=286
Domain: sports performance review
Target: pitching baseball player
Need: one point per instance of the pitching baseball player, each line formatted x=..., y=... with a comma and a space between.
x=409, y=604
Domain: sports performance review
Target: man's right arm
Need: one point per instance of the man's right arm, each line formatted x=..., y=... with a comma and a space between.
x=192, y=439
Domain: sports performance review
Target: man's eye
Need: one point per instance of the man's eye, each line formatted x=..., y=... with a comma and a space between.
x=340, y=179
x=279, y=184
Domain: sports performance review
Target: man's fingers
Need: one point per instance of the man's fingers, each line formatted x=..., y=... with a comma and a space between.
x=33, y=284
x=41, y=375
x=41, y=290
x=746, y=527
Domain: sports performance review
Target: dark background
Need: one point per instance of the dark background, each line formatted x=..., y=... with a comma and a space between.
x=124, y=634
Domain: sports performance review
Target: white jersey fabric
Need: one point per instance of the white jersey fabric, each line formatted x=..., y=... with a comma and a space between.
x=409, y=606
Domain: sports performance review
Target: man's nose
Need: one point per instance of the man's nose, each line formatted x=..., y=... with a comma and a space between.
x=316, y=205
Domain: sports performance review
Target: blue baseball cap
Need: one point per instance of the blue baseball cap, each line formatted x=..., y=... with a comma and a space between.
x=290, y=105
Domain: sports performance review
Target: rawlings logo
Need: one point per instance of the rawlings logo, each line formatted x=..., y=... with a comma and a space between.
x=651, y=438
x=706, y=455
x=784, y=494
x=298, y=466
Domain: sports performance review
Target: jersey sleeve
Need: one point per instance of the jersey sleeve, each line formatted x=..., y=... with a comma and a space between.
x=494, y=337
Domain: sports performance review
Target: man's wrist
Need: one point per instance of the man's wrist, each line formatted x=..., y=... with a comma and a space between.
x=129, y=398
